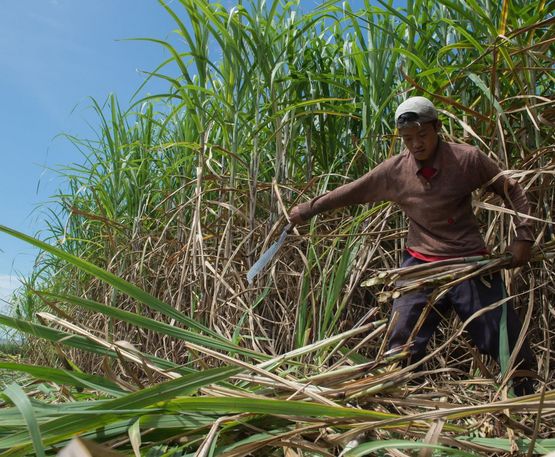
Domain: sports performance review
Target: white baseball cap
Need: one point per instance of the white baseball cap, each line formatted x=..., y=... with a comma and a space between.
x=423, y=108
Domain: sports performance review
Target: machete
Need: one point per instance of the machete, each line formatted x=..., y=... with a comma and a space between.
x=268, y=254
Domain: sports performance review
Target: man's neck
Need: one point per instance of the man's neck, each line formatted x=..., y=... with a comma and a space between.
x=429, y=162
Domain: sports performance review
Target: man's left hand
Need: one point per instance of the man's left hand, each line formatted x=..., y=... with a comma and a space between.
x=521, y=251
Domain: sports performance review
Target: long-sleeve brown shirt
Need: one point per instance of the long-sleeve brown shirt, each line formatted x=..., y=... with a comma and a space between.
x=441, y=220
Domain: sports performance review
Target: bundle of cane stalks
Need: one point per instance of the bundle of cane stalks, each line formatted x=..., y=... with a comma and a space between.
x=441, y=275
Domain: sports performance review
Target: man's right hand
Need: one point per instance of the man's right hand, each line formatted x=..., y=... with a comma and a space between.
x=295, y=216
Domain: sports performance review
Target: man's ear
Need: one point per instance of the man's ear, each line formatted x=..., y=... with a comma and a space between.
x=438, y=125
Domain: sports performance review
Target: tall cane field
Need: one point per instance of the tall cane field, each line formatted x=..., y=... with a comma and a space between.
x=142, y=335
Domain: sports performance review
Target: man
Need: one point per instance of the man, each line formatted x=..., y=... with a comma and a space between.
x=432, y=182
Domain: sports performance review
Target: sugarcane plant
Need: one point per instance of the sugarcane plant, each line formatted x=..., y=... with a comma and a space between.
x=141, y=328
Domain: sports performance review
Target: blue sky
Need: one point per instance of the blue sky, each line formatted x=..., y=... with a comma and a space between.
x=54, y=55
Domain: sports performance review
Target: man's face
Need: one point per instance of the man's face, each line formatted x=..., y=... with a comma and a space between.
x=421, y=139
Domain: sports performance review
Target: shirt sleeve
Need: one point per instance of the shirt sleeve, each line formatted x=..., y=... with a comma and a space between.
x=370, y=188
x=511, y=192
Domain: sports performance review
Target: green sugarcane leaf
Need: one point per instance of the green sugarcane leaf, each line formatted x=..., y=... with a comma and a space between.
x=136, y=403
x=157, y=326
x=134, y=433
x=66, y=377
x=370, y=448
x=233, y=405
x=120, y=284
x=541, y=446
x=16, y=394
x=79, y=342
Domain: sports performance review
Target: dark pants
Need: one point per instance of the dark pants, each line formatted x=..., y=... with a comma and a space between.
x=466, y=298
